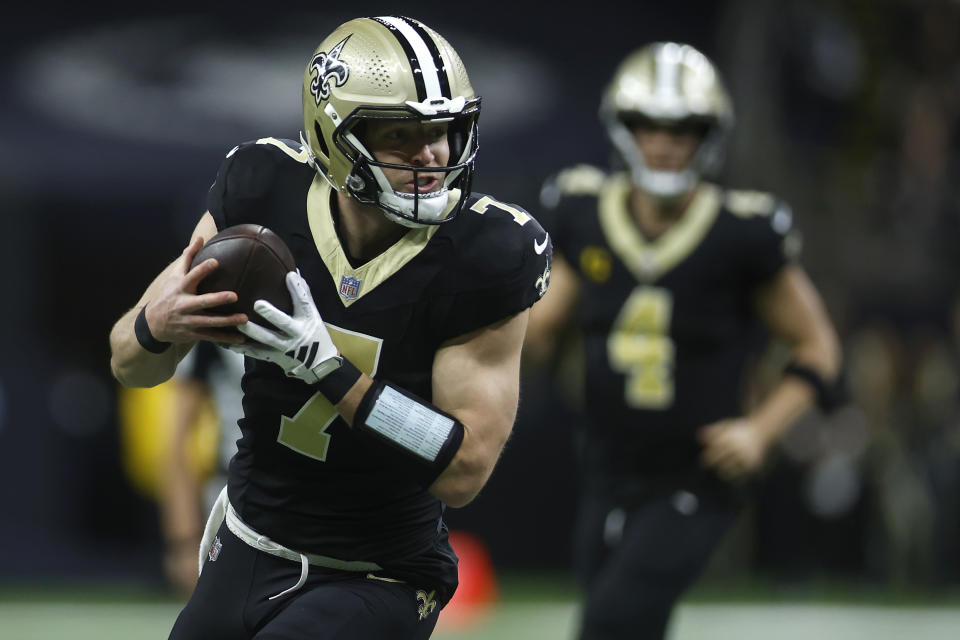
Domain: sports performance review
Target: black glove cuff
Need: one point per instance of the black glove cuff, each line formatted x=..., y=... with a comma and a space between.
x=144, y=337
x=336, y=384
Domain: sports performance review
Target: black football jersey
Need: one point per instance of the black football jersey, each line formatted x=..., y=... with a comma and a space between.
x=667, y=324
x=301, y=475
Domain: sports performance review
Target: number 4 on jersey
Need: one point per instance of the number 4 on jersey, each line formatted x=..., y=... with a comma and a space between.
x=639, y=346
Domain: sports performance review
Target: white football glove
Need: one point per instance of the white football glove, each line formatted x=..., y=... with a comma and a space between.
x=301, y=344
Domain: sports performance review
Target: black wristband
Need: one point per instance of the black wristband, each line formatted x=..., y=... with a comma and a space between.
x=409, y=443
x=144, y=337
x=335, y=385
x=828, y=396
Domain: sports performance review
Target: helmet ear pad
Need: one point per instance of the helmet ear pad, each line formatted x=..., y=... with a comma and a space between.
x=360, y=182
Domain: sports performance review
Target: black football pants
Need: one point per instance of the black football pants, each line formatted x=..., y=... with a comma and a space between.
x=636, y=563
x=231, y=602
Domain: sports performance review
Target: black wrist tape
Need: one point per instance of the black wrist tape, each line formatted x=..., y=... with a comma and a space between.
x=827, y=392
x=335, y=385
x=144, y=337
x=425, y=437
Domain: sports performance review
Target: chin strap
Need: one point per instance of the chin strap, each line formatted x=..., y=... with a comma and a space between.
x=663, y=184
x=424, y=208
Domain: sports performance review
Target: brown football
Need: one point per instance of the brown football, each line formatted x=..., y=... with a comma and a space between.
x=253, y=261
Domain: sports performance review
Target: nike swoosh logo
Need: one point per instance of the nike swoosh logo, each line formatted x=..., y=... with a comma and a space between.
x=539, y=247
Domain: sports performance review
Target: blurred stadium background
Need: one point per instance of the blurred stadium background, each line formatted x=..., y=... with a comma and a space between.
x=113, y=122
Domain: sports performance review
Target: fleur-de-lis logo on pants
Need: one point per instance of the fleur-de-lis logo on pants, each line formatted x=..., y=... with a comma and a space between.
x=327, y=67
x=426, y=603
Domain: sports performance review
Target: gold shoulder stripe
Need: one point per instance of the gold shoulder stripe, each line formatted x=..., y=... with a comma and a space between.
x=300, y=154
x=747, y=204
x=645, y=259
x=582, y=179
x=371, y=274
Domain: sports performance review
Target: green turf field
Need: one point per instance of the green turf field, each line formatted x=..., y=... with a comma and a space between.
x=116, y=621
x=525, y=611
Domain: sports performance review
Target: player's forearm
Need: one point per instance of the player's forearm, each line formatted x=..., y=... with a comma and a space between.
x=818, y=353
x=779, y=409
x=487, y=414
x=131, y=364
x=465, y=475
x=471, y=468
x=347, y=407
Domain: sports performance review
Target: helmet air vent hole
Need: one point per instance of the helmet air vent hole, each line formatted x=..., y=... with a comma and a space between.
x=323, y=143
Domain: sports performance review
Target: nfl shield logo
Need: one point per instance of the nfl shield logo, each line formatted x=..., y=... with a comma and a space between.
x=214, y=552
x=349, y=287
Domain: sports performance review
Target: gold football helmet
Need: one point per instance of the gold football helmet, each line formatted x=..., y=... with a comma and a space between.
x=670, y=83
x=389, y=68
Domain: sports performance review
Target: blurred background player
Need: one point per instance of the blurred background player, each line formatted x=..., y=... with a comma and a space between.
x=668, y=279
x=359, y=426
x=208, y=377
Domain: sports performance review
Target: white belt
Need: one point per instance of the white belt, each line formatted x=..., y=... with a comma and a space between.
x=222, y=509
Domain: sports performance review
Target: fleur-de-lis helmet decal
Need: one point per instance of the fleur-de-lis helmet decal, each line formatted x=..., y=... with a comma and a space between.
x=326, y=67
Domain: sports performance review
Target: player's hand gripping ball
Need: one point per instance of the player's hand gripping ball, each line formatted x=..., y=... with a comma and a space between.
x=252, y=261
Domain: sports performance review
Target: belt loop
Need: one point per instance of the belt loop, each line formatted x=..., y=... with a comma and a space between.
x=304, y=569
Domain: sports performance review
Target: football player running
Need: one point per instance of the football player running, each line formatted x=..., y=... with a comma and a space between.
x=667, y=277
x=390, y=390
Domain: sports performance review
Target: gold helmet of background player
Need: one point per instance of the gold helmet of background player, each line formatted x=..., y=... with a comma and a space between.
x=395, y=68
x=669, y=83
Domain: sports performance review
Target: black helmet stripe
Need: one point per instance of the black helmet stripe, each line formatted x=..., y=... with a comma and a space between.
x=427, y=66
x=442, y=72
